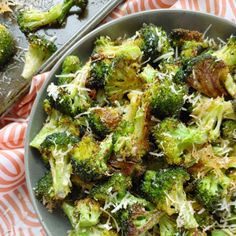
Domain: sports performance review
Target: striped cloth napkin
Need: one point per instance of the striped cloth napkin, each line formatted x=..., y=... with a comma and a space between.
x=17, y=216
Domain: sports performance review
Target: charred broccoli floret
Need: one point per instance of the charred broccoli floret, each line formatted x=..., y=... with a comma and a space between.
x=165, y=189
x=55, y=148
x=72, y=98
x=131, y=136
x=7, y=45
x=103, y=120
x=89, y=158
x=45, y=193
x=99, y=70
x=33, y=19
x=39, y=50
x=167, y=98
x=154, y=43
x=70, y=65
x=83, y=213
x=211, y=189
x=137, y=219
x=209, y=113
x=116, y=185
x=175, y=139
x=189, y=43
x=227, y=53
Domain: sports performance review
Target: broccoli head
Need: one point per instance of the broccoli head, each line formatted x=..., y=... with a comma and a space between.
x=56, y=122
x=189, y=43
x=154, y=43
x=211, y=189
x=117, y=186
x=131, y=136
x=39, y=50
x=137, y=220
x=73, y=98
x=165, y=189
x=103, y=120
x=92, y=231
x=106, y=48
x=122, y=79
x=175, y=139
x=83, y=213
x=227, y=53
x=89, y=158
x=70, y=65
x=44, y=191
x=99, y=70
x=55, y=148
x=33, y=19
x=209, y=113
x=7, y=45
x=167, y=98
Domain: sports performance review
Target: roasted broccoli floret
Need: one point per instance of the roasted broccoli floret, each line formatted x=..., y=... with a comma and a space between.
x=99, y=70
x=117, y=186
x=103, y=120
x=131, y=136
x=56, y=122
x=55, y=148
x=39, y=50
x=70, y=65
x=189, y=43
x=33, y=19
x=105, y=47
x=89, y=158
x=137, y=219
x=83, y=213
x=227, y=53
x=167, y=98
x=44, y=191
x=122, y=79
x=7, y=45
x=72, y=98
x=154, y=43
x=208, y=114
x=165, y=189
x=211, y=189
x=228, y=130
x=175, y=139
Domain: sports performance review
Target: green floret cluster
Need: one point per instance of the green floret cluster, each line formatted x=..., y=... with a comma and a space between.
x=140, y=139
x=7, y=45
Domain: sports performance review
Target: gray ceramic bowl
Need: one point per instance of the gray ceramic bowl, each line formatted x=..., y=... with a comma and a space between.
x=56, y=224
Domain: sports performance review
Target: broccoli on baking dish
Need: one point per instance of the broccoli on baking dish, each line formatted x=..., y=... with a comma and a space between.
x=33, y=19
x=7, y=45
x=39, y=50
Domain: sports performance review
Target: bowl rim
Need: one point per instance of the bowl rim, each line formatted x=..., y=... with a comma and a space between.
x=54, y=69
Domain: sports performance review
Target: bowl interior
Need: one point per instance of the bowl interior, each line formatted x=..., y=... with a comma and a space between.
x=56, y=224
